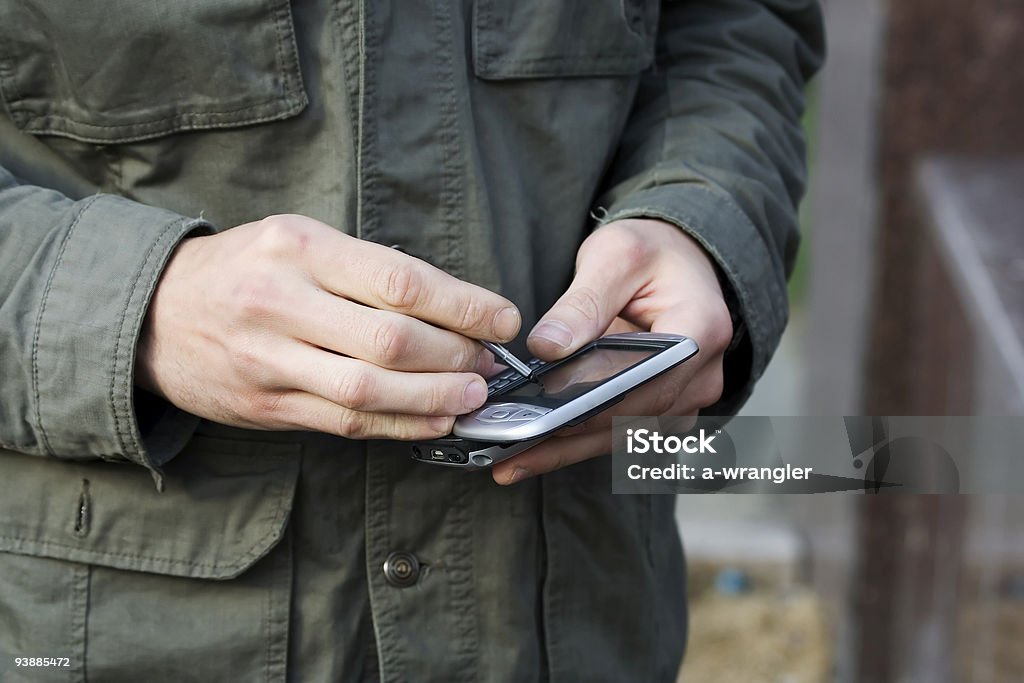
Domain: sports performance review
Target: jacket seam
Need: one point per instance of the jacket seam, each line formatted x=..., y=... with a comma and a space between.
x=147, y=129
x=285, y=26
x=5, y=76
x=29, y=449
x=367, y=217
x=45, y=439
x=186, y=113
x=122, y=432
x=451, y=194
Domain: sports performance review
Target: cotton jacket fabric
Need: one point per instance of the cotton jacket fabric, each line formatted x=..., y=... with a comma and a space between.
x=487, y=137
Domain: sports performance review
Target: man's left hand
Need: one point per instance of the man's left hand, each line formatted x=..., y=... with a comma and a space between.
x=632, y=275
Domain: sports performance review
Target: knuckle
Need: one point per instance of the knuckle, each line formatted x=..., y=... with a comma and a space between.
x=473, y=315
x=350, y=424
x=585, y=301
x=630, y=247
x=441, y=431
x=403, y=430
x=441, y=398
x=248, y=361
x=466, y=358
x=282, y=235
x=256, y=296
x=356, y=389
x=390, y=343
x=399, y=287
x=720, y=327
x=265, y=404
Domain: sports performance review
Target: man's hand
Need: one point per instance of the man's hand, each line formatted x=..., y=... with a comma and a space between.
x=286, y=323
x=632, y=275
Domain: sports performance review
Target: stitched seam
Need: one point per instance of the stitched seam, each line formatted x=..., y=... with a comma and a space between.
x=39, y=325
x=267, y=595
x=291, y=71
x=6, y=72
x=451, y=195
x=78, y=631
x=377, y=521
x=30, y=449
x=462, y=576
x=278, y=49
x=152, y=122
x=582, y=59
x=484, y=48
x=173, y=230
x=368, y=216
x=122, y=432
x=345, y=26
x=56, y=124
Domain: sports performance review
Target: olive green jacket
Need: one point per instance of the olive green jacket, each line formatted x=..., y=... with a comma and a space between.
x=485, y=136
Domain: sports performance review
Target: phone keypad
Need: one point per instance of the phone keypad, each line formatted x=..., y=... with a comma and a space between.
x=508, y=377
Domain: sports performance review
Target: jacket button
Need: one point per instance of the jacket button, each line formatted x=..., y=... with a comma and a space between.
x=401, y=569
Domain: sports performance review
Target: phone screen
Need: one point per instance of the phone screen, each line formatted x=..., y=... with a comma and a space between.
x=576, y=377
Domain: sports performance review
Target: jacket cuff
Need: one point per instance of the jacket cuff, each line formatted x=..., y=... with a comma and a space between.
x=92, y=310
x=755, y=289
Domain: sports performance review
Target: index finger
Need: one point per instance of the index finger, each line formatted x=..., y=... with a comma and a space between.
x=390, y=280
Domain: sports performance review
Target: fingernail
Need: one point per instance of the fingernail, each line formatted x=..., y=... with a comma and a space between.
x=554, y=331
x=518, y=474
x=474, y=395
x=506, y=323
x=440, y=424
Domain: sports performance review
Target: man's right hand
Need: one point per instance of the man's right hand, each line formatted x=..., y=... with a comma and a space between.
x=287, y=323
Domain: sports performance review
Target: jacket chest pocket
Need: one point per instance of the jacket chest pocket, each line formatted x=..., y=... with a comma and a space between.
x=121, y=70
x=572, y=38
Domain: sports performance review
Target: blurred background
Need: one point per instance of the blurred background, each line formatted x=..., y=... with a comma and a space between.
x=908, y=299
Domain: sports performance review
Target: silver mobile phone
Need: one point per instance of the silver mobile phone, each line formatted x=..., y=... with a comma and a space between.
x=522, y=411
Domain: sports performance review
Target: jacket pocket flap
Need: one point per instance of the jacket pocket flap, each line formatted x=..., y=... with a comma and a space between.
x=140, y=70
x=224, y=506
x=539, y=39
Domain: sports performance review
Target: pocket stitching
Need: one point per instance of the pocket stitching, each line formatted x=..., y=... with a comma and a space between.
x=6, y=71
x=57, y=123
x=289, y=64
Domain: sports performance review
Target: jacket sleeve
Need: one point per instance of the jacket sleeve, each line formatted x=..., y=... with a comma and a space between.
x=75, y=281
x=714, y=145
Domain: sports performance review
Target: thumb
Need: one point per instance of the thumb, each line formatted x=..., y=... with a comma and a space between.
x=587, y=308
